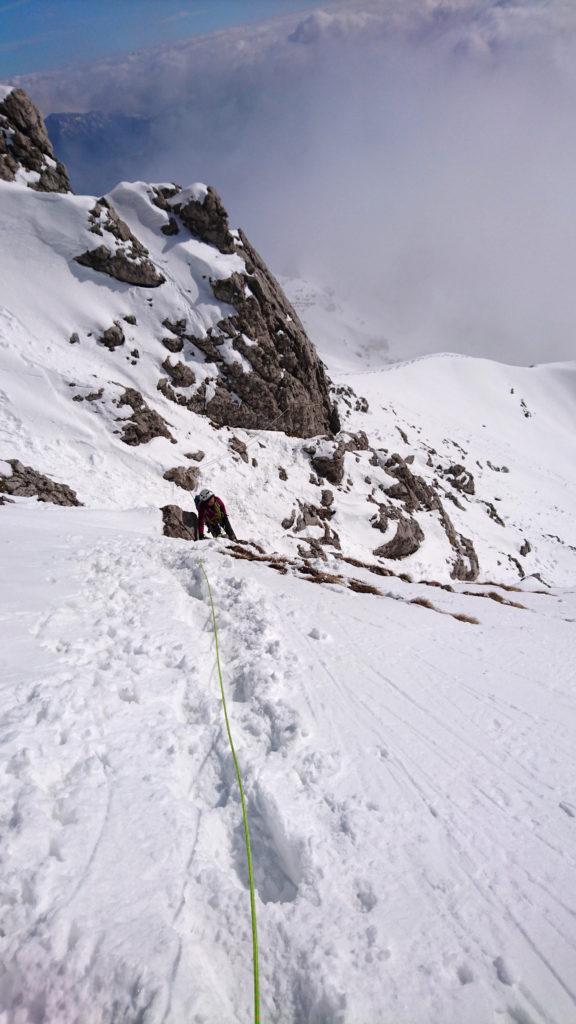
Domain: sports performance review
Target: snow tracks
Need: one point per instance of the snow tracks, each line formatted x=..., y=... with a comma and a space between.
x=124, y=891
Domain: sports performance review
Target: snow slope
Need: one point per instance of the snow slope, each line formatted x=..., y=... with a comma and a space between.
x=465, y=410
x=410, y=782
x=407, y=740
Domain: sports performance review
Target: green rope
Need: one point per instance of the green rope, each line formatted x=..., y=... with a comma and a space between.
x=244, y=810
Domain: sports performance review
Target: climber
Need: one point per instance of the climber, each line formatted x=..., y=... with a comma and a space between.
x=212, y=512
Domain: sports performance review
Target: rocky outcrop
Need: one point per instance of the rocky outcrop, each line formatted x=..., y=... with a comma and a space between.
x=123, y=257
x=239, y=448
x=25, y=482
x=207, y=219
x=406, y=541
x=25, y=146
x=330, y=466
x=113, y=337
x=277, y=375
x=182, y=476
x=460, y=478
x=180, y=374
x=123, y=264
x=416, y=495
x=179, y=523
x=144, y=423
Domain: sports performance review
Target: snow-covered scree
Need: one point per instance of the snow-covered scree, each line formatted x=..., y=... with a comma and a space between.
x=410, y=781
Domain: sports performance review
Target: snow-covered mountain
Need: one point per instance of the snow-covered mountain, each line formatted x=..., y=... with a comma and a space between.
x=397, y=634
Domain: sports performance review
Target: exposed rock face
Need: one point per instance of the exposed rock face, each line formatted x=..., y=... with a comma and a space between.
x=416, y=495
x=26, y=482
x=406, y=541
x=24, y=145
x=124, y=257
x=124, y=265
x=238, y=446
x=460, y=478
x=180, y=374
x=330, y=467
x=277, y=376
x=144, y=423
x=208, y=220
x=185, y=477
x=179, y=523
x=113, y=337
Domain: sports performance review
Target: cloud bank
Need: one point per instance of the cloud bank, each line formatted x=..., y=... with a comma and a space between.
x=420, y=156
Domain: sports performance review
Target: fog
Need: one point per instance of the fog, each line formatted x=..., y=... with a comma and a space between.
x=423, y=163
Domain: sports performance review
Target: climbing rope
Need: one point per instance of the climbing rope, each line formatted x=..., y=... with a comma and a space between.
x=244, y=810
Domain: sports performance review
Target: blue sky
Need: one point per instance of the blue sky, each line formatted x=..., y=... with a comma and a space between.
x=40, y=34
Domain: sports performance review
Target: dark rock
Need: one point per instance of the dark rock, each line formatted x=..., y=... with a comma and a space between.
x=179, y=523
x=197, y=456
x=286, y=388
x=171, y=228
x=74, y=339
x=180, y=374
x=177, y=327
x=406, y=541
x=466, y=567
x=130, y=319
x=113, y=337
x=161, y=194
x=334, y=422
x=327, y=498
x=144, y=423
x=238, y=446
x=356, y=442
x=207, y=220
x=330, y=467
x=173, y=344
x=26, y=482
x=460, y=478
x=282, y=473
x=417, y=495
x=379, y=521
x=24, y=143
x=93, y=396
x=493, y=513
x=185, y=477
x=526, y=548
x=123, y=266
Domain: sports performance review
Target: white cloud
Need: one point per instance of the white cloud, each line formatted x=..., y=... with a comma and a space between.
x=421, y=153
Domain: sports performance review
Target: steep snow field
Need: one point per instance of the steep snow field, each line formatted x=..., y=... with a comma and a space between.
x=410, y=781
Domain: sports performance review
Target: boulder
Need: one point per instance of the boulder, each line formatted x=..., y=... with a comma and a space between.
x=330, y=467
x=144, y=423
x=125, y=266
x=179, y=523
x=25, y=482
x=180, y=374
x=113, y=337
x=186, y=477
x=24, y=144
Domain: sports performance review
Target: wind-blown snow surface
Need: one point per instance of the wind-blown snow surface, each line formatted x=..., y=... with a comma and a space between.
x=410, y=782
